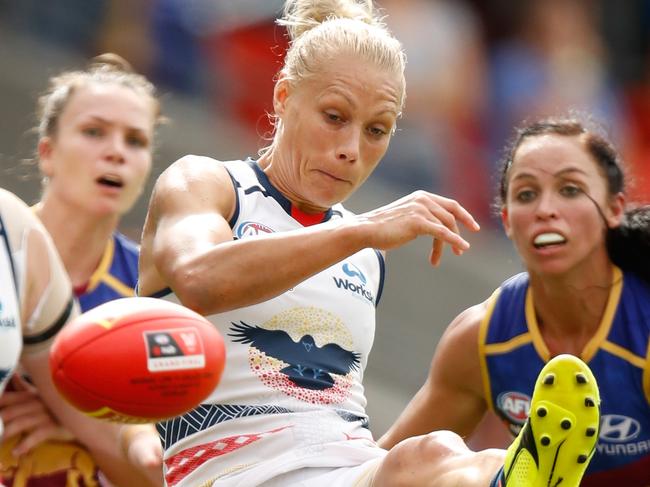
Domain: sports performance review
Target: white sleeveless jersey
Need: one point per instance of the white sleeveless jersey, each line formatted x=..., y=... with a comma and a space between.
x=292, y=383
x=10, y=286
x=17, y=221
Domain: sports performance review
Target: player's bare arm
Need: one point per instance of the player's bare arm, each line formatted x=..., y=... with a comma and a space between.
x=48, y=299
x=452, y=396
x=192, y=243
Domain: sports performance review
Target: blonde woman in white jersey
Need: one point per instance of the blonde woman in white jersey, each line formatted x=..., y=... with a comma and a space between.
x=36, y=301
x=265, y=250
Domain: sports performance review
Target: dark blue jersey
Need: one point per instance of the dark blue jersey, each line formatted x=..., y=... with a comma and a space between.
x=115, y=277
x=513, y=353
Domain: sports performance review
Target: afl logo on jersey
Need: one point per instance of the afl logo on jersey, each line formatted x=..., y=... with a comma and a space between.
x=514, y=405
x=251, y=229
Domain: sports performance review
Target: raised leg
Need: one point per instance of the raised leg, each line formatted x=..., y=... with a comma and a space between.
x=553, y=448
x=559, y=438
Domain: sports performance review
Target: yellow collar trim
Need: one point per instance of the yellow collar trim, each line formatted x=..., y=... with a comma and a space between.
x=603, y=328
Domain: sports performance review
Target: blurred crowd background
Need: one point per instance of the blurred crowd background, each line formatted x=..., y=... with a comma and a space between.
x=476, y=69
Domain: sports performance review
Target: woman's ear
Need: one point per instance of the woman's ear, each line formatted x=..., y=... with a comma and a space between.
x=280, y=94
x=45, y=156
x=504, y=221
x=616, y=210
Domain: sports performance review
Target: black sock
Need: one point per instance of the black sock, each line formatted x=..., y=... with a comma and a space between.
x=499, y=479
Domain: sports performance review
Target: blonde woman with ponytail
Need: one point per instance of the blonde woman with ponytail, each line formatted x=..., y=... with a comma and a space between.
x=265, y=250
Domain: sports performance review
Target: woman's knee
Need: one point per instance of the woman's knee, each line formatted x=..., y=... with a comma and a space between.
x=414, y=460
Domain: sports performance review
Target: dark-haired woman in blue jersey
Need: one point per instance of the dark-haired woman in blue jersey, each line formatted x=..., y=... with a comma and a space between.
x=586, y=292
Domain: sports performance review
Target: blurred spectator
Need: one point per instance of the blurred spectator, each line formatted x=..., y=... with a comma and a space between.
x=638, y=136
x=236, y=43
x=632, y=42
x=248, y=67
x=194, y=44
x=625, y=31
x=70, y=23
x=126, y=30
x=178, y=61
x=545, y=56
x=439, y=145
x=556, y=61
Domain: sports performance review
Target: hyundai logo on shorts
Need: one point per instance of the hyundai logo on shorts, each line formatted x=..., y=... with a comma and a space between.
x=618, y=428
x=353, y=271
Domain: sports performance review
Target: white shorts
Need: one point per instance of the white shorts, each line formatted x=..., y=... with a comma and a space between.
x=359, y=476
x=292, y=450
x=362, y=459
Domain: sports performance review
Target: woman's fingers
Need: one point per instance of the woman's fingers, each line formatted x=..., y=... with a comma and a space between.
x=443, y=234
x=418, y=214
x=21, y=384
x=436, y=252
x=24, y=423
x=450, y=213
x=39, y=434
x=22, y=406
x=12, y=398
x=24, y=413
x=458, y=212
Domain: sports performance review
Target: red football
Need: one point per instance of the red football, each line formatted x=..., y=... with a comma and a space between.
x=137, y=360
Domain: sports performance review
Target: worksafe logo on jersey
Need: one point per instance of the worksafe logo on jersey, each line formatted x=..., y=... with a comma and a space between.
x=252, y=229
x=514, y=405
x=178, y=349
x=354, y=282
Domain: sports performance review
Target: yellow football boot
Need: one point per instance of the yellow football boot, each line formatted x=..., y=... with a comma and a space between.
x=559, y=437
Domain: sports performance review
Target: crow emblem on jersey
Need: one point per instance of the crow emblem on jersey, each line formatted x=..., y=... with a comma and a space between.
x=309, y=366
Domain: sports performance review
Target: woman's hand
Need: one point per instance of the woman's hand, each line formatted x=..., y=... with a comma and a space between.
x=417, y=214
x=141, y=445
x=23, y=412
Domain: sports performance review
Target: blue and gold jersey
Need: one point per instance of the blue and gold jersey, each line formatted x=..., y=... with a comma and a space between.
x=513, y=353
x=115, y=277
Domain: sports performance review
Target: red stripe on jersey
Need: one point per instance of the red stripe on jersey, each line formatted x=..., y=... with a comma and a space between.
x=306, y=219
